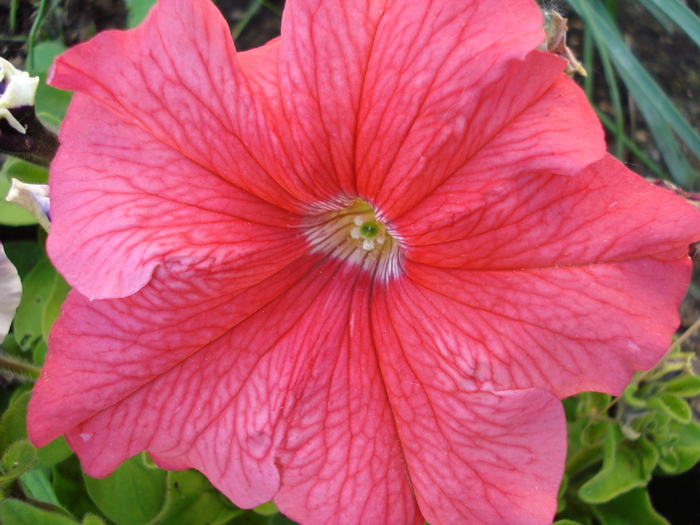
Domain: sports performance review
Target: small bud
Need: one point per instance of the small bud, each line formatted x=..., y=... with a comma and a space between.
x=32, y=197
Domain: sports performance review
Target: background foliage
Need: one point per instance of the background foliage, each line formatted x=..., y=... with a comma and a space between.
x=616, y=446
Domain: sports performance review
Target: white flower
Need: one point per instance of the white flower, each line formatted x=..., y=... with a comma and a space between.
x=10, y=293
x=18, y=90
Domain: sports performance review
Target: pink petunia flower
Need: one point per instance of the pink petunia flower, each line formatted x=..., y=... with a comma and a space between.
x=353, y=270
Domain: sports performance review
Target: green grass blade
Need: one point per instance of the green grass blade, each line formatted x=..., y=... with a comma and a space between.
x=614, y=94
x=679, y=14
x=681, y=171
x=252, y=10
x=13, y=15
x=630, y=144
x=588, y=50
x=654, y=104
x=31, y=39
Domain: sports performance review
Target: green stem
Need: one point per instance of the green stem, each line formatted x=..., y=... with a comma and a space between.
x=12, y=38
x=32, y=33
x=13, y=15
x=614, y=93
x=588, y=63
x=19, y=370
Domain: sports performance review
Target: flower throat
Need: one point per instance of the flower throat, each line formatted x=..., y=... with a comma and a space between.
x=354, y=234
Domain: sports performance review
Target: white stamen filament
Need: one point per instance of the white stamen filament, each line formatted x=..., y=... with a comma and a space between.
x=353, y=234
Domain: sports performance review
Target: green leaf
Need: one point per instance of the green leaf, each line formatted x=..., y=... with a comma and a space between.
x=13, y=426
x=571, y=408
x=39, y=351
x=24, y=255
x=685, y=451
x=132, y=482
x=674, y=406
x=138, y=9
x=17, y=459
x=593, y=432
x=69, y=486
x=669, y=461
x=266, y=509
x=626, y=465
x=48, y=99
x=566, y=522
x=16, y=512
x=561, y=495
x=37, y=486
x=249, y=517
x=11, y=348
x=24, y=171
x=680, y=14
x=281, y=519
x=148, y=460
x=44, y=55
x=37, y=288
x=55, y=300
x=683, y=386
x=53, y=453
x=91, y=519
x=631, y=508
x=190, y=498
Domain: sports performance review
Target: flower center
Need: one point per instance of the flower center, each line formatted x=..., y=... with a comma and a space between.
x=355, y=235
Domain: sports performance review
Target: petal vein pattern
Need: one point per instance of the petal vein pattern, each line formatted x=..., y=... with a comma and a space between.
x=307, y=399
x=158, y=208
x=353, y=270
x=179, y=79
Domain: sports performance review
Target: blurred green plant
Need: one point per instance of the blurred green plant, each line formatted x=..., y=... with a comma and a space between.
x=616, y=445
x=675, y=137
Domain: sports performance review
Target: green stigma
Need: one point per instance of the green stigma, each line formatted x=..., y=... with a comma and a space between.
x=369, y=229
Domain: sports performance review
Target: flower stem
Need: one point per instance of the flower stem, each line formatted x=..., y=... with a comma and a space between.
x=12, y=368
x=38, y=145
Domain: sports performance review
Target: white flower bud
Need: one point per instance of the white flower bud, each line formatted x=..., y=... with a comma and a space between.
x=32, y=197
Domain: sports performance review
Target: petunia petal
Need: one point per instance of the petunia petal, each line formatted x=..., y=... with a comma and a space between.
x=501, y=219
x=177, y=77
x=261, y=67
x=392, y=106
x=324, y=54
x=447, y=78
x=156, y=207
x=132, y=341
x=474, y=456
x=565, y=330
x=289, y=401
